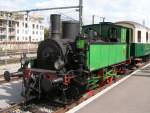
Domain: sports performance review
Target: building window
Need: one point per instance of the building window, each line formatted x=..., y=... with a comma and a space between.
x=23, y=24
x=10, y=23
x=37, y=32
x=139, y=36
x=37, y=26
x=18, y=24
x=33, y=26
x=17, y=38
x=1, y=23
x=33, y=32
x=41, y=27
x=26, y=32
x=30, y=38
x=146, y=36
x=1, y=31
x=18, y=31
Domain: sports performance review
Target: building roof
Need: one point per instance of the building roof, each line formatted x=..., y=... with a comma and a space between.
x=134, y=24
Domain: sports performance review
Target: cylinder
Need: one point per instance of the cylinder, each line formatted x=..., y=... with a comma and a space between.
x=55, y=20
x=70, y=29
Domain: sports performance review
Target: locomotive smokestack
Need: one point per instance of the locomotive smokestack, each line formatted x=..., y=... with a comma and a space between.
x=70, y=29
x=55, y=26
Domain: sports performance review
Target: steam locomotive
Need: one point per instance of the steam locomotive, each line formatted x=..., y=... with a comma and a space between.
x=69, y=64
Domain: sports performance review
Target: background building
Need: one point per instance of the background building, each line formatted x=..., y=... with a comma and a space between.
x=17, y=27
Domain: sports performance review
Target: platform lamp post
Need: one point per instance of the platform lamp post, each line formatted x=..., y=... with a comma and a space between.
x=103, y=18
x=81, y=14
x=93, y=19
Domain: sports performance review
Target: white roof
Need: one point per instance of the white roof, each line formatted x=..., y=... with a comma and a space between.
x=134, y=24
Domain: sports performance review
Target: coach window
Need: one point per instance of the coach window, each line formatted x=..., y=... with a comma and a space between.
x=139, y=36
x=146, y=36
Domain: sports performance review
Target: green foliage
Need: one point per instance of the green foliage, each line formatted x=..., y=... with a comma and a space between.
x=46, y=33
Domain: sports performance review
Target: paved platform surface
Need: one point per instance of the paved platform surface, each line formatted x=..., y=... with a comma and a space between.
x=10, y=93
x=131, y=96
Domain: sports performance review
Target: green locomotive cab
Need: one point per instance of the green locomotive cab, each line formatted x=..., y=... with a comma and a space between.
x=109, y=32
x=112, y=45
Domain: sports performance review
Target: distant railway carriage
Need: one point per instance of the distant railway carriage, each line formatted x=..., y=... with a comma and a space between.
x=140, y=44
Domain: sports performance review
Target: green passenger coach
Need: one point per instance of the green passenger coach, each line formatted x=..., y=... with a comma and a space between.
x=140, y=41
x=140, y=49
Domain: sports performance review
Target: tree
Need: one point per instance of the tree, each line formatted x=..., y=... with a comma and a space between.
x=46, y=33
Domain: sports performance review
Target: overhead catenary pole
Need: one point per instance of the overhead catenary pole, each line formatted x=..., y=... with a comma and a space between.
x=93, y=19
x=81, y=14
x=44, y=9
x=80, y=7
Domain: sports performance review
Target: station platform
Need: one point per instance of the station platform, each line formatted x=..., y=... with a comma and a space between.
x=131, y=95
x=10, y=93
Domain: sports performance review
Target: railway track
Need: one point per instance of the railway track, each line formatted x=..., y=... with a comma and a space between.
x=11, y=109
x=19, y=52
x=2, y=80
x=47, y=107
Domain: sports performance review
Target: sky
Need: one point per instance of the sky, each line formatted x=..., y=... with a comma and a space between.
x=112, y=10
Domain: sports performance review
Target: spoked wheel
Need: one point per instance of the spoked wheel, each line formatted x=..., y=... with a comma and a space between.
x=7, y=76
x=73, y=93
x=69, y=95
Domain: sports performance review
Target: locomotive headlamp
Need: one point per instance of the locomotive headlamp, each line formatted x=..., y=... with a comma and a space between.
x=29, y=65
x=23, y=61
x=59, y=64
